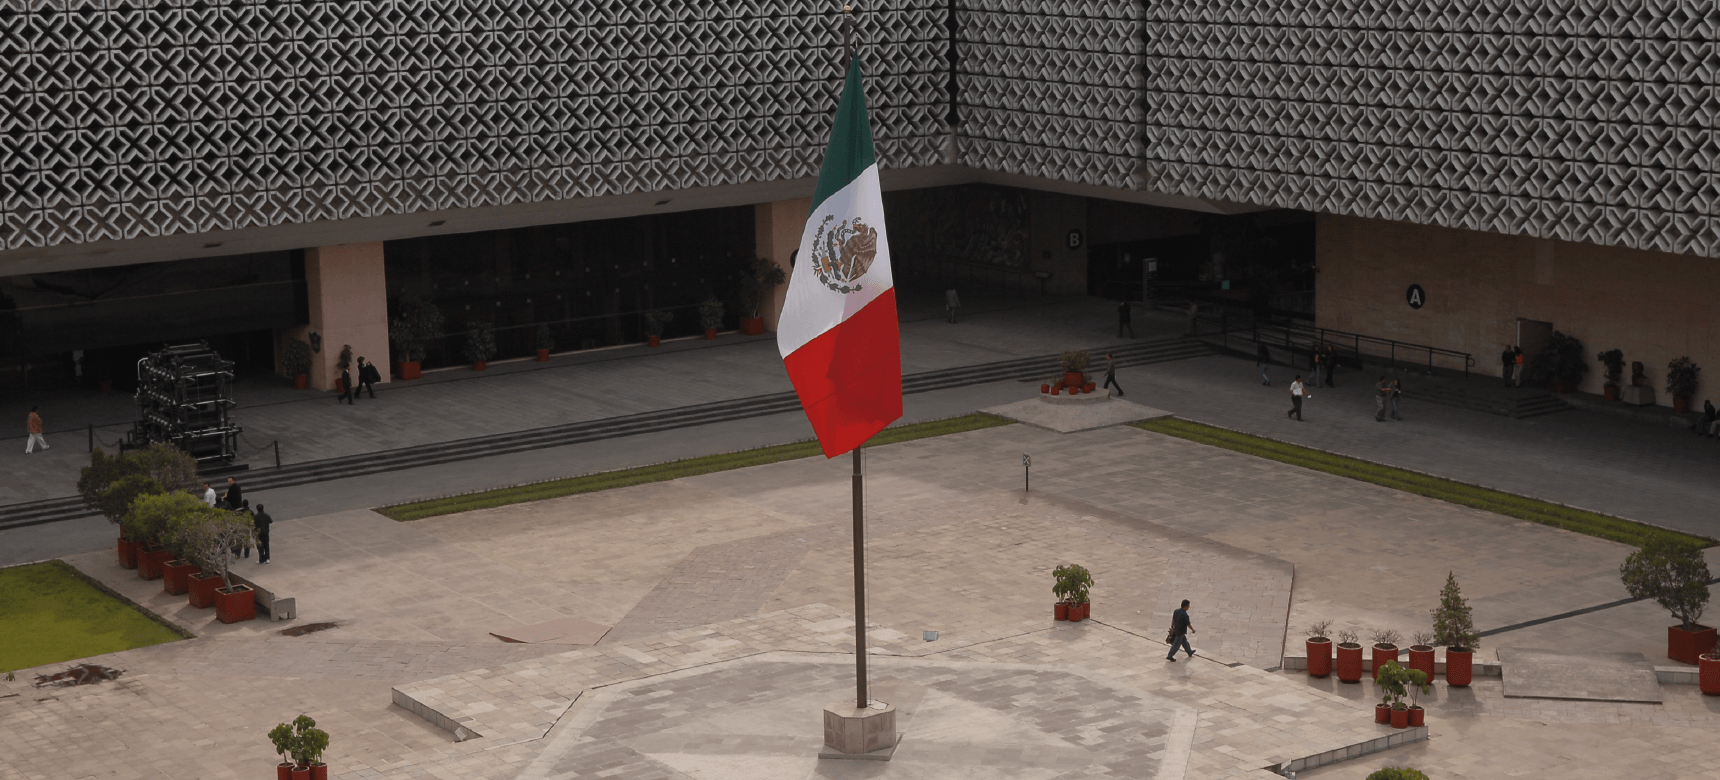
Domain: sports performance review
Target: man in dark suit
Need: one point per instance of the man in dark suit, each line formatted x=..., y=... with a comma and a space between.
x=348, y=392
x=368, y=376
x=261, y=521
x=235, y=497
x=1124, y=315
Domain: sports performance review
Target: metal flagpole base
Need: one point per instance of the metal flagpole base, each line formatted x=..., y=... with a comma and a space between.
x=865, y=733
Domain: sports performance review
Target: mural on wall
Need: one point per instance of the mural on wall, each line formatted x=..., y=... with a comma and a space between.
x=968, y=223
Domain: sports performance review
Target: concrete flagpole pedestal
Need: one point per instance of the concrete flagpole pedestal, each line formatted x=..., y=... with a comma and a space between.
x=864, y=733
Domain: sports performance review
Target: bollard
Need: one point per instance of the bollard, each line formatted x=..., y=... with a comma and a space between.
x=277, y=453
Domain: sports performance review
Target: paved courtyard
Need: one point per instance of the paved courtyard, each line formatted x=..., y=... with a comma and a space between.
x=721, y=567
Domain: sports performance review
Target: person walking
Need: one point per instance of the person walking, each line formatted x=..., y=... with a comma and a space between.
x=33, y=425
x=348, y=393
x=1382, y=391
x=1397, y=392
x=368, y=376
x=1263, y=357
x=1181, y=627
x=1124, y=312
x=1111, y=374
x=209, y=495
x=952, y=302
x=1193, y=313
x=1518, y=361
x=1296, y=396
x=1331, y=366
x=235, y=497
x=260, y=521
x=1508, y=363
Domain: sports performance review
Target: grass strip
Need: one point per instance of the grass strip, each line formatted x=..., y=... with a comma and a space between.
x=662, y=472
x=52, y=613
x=1582, y=521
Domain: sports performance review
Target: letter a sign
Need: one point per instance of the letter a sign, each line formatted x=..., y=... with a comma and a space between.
x=1416, y=296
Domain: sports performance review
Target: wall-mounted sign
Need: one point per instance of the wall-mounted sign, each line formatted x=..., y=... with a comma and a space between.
x=1074, y=239
x=1416, y=296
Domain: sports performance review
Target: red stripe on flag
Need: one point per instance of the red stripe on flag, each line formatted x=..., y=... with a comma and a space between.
x=849, y=378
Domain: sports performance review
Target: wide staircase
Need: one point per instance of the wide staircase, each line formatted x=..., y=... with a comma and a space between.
x=365, y=464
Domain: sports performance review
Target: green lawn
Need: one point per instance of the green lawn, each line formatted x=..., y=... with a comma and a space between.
x=1616, y=529
x=418, y=510
x=49, y=614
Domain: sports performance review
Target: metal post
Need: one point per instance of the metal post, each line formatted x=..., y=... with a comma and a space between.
x=277, y=453
x=1026, y=473
x=860, y=698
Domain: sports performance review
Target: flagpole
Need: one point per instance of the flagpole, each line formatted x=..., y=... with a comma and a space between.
x=860, y=697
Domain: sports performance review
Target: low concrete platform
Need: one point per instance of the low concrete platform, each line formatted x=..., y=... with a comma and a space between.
x=1557, y=674
x=1076, y=413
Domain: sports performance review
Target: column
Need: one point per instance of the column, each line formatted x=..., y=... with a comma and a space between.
x=348, y=293
x=777, y=228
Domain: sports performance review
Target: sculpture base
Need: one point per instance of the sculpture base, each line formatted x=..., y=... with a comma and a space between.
x=859, y=733
x=1637, y=395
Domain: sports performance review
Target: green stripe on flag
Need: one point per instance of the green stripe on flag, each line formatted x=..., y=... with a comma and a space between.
x=850, y=150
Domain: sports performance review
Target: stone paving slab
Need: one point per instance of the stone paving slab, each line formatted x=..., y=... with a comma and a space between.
x=563, y=631
x=1588, y=676
x=1103, y=411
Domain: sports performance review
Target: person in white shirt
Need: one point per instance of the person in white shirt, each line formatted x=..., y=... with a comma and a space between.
x=1296, y=396
x=208, y=494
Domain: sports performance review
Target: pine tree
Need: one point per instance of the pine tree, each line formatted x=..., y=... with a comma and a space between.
x=1452, y=625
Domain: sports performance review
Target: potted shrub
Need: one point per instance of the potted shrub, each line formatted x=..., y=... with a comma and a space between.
x=1613, y=360
x=139, y=538
x=1385, y=648
x=544, y=341
x=93, y=483
x=1349, y=662
x=150, y=518
x=1681, y=383
x=418, y=322
x=1419, y=683
x=1389, y=681
x=1709, y=672
x=296, y=361
x=285, y=742
x=1454, y=628
x=1560, y=364
x=1071, y=586
x=214, y=537
x=181, y=516
x=1074, y=362
x=1421, y=653
x=480, y=345
x=711, y=317
x=1319, y=649
x=309, y=743
x=759, y=278
x=1671, y=571
x=655, y=323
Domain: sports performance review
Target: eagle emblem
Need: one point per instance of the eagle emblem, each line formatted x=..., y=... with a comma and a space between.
x=843, y=254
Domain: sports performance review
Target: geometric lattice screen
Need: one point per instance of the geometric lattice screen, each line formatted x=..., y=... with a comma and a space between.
x=1580, y=120
x=1052, y=88
x=128, y=118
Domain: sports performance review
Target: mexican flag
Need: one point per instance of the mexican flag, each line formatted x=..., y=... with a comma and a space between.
x=837, y=333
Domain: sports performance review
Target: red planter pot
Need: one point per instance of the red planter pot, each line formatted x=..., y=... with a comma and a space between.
x=1459, y=667
x=654, y=340
x=1417, y=717
x=1382, y=713
x=752, y=326
x=301, y=381
x=1349, y=665
x=543, y=356
x=1400, y=719
x=710, y=334
x=235, y=604
x=1689, y=646
x=1709, y=676
x=1073, y=379
x=1382, y=654
x=479, y=365
x=1056, y=390
x=1088, y=388
x=1078, y=612
x=1610, y=393
x=301, y=773
x=149, y=563
x=176, y=577
x=409, y=369
x=1045, y=388
x=1423, y=660
x=1319, y=657
x=1060, y=611
x=283, y=771
x=319, y=771
x=127, y=554
x=200, y=591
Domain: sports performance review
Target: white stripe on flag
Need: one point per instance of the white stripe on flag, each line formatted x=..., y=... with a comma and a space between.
x=812, y=308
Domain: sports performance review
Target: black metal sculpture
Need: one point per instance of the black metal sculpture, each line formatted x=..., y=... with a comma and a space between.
x=184, y=395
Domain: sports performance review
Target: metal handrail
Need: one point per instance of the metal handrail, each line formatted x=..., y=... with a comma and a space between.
x=1296, y=337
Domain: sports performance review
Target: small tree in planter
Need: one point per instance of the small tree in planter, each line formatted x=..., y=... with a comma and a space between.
x=418, y=322
x=128, y=496
x=1074, y=362
x=543, y=341
x=311, y=742
x=1613, y=360
x=1421, y=653
x=169, y=466
x=1394, y=683
x=758, y=279
x=1672, y=572
x=286, y=745
x=480, y=344
x=1454, y=627
x=215, y=538
x=1560, y=364
x=1349, y=663
x=296, y=361
x=1681, y=383
x=1071, y=586
x=1320, y=649
x=711, y=316
x=655, y=323
x=179, y=516
x=1385, y=647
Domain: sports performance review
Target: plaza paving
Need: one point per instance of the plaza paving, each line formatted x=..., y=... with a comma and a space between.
x=710, y=569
